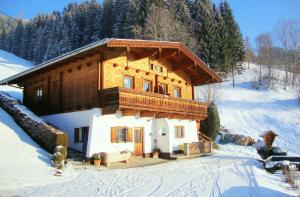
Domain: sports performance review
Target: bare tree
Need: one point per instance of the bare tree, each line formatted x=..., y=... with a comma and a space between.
x=210, y=92
x=249, y=51
x=264, y=44
x=282, y=33
x=162, y=25
x=294, y=36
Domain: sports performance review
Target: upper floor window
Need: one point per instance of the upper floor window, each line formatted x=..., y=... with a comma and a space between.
x=128, y=82
x=177, y=92
x=162, y=89
x=147, y=86
x=38, y=94
x=179, y=132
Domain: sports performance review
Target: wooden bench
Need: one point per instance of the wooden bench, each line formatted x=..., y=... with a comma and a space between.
x=116, y=157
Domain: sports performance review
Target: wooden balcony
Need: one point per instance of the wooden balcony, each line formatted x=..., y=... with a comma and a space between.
x=148, y=104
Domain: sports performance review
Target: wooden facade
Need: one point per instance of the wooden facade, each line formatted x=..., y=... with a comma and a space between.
x=94, y=77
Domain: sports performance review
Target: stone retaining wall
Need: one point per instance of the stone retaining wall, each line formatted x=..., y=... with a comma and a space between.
x=45, y=135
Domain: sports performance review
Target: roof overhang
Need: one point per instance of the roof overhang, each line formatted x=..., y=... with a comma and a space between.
x=203, y=75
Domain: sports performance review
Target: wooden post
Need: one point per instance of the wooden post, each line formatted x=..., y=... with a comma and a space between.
x=193, y=93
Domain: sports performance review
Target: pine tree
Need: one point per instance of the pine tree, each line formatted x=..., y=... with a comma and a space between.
x=17, y=38
x=203, y=27
x=108, y=19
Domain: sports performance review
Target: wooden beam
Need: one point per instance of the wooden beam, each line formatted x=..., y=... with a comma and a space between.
x=202, y=79
x=166, y=54
x=182, y=66
x=129, y=112
x=147, y=114
x=149, y=53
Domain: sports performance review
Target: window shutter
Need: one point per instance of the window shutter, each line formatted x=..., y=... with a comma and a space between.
x=76, y=135
x=129, y=135
x=113, y=135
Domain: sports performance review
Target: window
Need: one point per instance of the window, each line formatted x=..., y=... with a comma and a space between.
x=147, y=86
x=161, y=69
x=128, y=82
x=162, y=89
x=151, y=67
x=177, y=92
x=39, y=95
x=179, y=132
x=121, y=134
x=80, y=134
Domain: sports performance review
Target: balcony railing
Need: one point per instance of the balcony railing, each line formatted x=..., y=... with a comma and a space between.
x=118, y=98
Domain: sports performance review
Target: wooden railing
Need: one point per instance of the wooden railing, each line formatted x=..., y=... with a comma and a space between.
x=122, y=98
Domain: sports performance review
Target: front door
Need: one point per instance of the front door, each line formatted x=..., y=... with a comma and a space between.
x=138, y=141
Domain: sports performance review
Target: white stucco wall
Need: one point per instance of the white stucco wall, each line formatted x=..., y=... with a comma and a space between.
x=100, y=130
x=68, y=121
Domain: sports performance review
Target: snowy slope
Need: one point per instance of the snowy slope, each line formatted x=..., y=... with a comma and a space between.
x=11, y=64
x=245, y=110
x=22, y=162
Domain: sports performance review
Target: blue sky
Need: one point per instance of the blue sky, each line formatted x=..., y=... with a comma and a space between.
x=253, y=16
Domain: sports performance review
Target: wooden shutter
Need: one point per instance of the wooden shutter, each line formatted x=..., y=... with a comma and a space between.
x=113, y=135
x=129, y=135
x=76, y=135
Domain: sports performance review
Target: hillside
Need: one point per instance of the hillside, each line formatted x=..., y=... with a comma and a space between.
x=11, y=64
x=245, y=110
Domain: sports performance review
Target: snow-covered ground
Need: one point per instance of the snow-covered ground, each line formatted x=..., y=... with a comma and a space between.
x=245, y=110
x=232, y=171
x=11, y=64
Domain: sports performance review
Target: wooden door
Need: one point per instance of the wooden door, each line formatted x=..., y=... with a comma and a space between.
x=138, y=141
x=85, y=137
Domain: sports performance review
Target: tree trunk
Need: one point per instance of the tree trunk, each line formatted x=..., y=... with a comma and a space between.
x=232, y=73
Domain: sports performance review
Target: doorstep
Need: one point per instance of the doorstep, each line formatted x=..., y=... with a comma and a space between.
x=137, y=162
x=182, y=156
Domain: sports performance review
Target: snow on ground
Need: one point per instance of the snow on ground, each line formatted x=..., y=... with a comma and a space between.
x=245, y=110
x=11, y=64
x=22, y=162
x=230, y=172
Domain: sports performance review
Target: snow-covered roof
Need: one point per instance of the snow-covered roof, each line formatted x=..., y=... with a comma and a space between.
x=267, y=132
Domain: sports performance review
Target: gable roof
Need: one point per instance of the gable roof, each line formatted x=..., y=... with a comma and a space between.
x=204, y=73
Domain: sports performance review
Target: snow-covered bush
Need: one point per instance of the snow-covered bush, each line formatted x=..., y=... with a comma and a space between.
x=62, y=150
x=211, y=125
x=58, y=160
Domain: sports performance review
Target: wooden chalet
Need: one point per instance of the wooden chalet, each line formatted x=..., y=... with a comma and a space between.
x=118, y=78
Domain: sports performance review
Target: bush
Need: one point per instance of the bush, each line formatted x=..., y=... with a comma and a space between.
x=58, y=160
x=211, y=125
x=62, y=150
x=266, y=152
